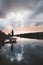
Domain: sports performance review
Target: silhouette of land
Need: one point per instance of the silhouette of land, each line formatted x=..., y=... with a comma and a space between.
x=3, y=37
x=37, y=35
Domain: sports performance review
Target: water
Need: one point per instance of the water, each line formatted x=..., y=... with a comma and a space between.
x=25, y=52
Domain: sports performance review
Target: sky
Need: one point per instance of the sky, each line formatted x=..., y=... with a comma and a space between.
x=23, y=16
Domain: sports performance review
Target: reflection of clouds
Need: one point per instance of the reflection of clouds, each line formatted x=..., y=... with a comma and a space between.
x=31, y=52
x=19, y=57
x=15, y=55
x=12, y=59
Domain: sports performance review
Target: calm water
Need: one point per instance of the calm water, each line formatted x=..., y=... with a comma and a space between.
x=25, y=52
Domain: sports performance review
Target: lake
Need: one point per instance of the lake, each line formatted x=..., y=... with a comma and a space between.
x=25, y=52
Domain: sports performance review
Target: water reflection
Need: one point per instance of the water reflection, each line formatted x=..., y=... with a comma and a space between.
x=17, y=52
x=26, y=51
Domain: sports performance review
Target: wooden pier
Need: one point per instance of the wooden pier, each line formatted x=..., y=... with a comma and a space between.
x=11, y=40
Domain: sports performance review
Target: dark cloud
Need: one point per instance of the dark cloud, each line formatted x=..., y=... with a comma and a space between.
x=38, y=23
x=39, y=9
x=11, y=5
x=33, y=6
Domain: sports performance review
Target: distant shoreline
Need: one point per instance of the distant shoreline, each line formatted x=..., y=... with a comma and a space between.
x=37, y=35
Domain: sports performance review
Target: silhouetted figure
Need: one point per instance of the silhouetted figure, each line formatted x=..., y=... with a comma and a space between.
x=12, y=32
x=12, y=48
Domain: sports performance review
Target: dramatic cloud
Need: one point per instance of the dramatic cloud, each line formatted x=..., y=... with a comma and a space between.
x=20, y=14
x=39, y=8
x=11, y=5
